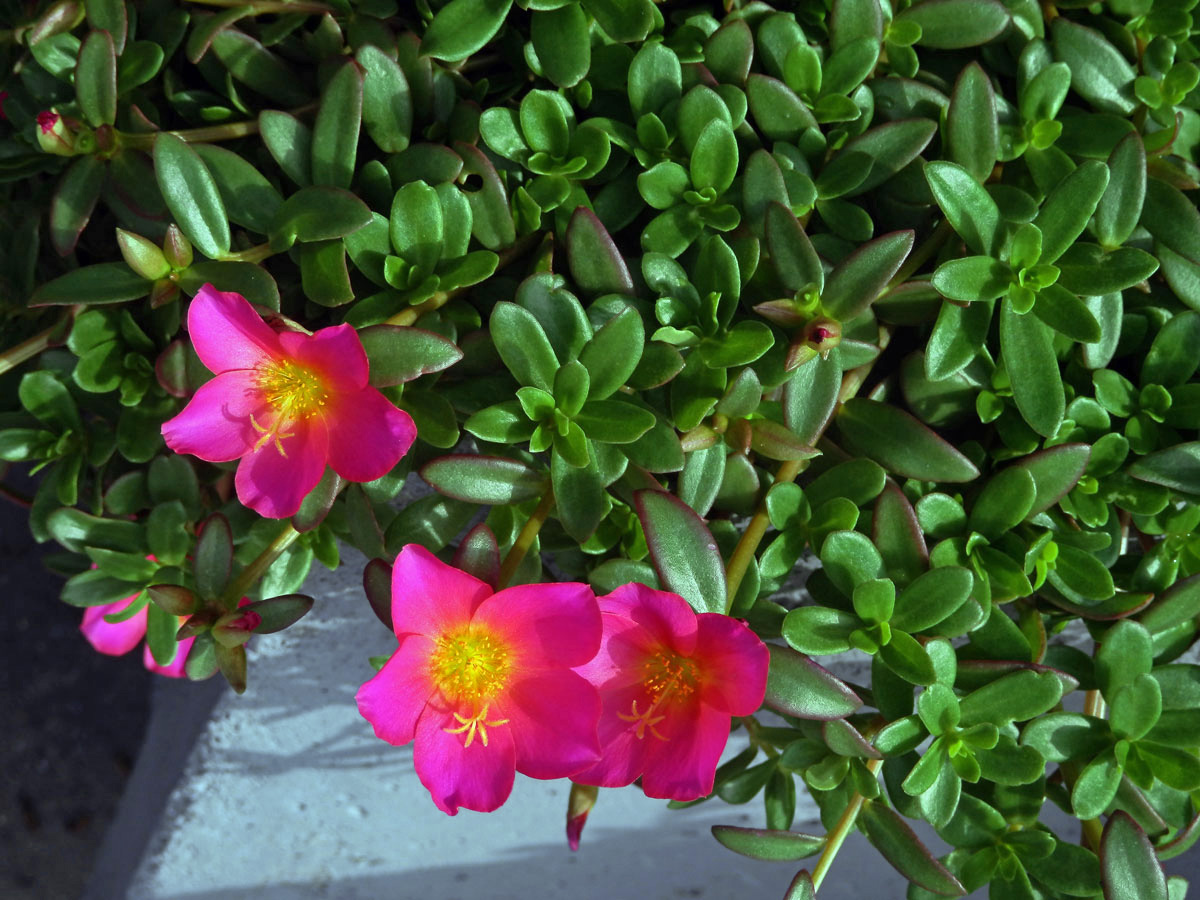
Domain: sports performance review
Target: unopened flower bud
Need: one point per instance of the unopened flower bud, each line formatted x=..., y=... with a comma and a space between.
x=823, y=334
x=53, y=134
x=235, y=628
x=580, y=803
x=142, y=255
x=177, y=248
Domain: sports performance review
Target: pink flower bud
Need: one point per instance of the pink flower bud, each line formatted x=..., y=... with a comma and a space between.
x=54, y=136
x=582, y=799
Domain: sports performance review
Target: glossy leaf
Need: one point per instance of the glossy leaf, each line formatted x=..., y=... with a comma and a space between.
x=683, y=550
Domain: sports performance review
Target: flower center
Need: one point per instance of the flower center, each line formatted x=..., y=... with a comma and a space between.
x=296, y=393
x=668, y=679
x=470, y=665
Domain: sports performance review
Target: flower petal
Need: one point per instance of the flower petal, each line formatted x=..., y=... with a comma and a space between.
x=683, y=766
x=336, y=354
x=173, y=669
x=553, y=720
x=274, y=485
x=667, y=618
x=227, y=333
x=478, y=777
x=215, y=425
x=394, y=699
x=430, y=597
x=733, y=664
x=107, y=637
x=622, y=752
x=368, y=434
x=550, y=625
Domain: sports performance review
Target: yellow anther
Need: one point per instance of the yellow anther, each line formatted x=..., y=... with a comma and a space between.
x=294, y=392
x=668, y=678
x=476, y=724
x=644, y=720
x=470, y=665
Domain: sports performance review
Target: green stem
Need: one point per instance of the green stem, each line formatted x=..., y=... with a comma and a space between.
x=921, y=255
x=246, y=578
x=227, y=132
x=739, y=562
x=26, y=350
x=441, y=298
x=254, y=254
x=525, y=540
x=841, y=831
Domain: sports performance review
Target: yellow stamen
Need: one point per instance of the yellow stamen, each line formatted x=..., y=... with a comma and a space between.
x=668, y=679
x=477, y=723
x=294, y=392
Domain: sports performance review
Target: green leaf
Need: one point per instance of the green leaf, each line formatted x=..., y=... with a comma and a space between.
x=76, y=530
x=891, y=147
x=932, y=598
x=279, y=612
x=818, y=630
x=192, y=195
x=254, y=65
x=953, y=24
x=418, y=227
x=1125, y=652
x=624, y=21
x=490, y=480
x=1120, y=207
x=850, y=559
x=1099, y=73
x=1066, y=314
x=797, y=686
x=94, y=588
x=110, y=16
x=796, y=262
x=596, y=264
x=905, y=656
x=810, y=397
x=1060, y=736
x=972, y=278
x=614, y=421
x=1015, y=697
x=714, y=161
x=779, y=114
x=290, y=142
x=579, y=492
x=864, y=275
x=1088, y=270
x=1175, y=467
x=335, y=131
x=1135, y=707
x=96, y=79
x=561, y=40
x=1178, y=604
x=523, y=345
x=1172, y=218
x=387, y=104
x=761, y=843
x=1027, y=350
x=969, y=208
x=1066, y=211
x=971, y=133
x=902, y=444
x=1130, y=869
x=213, y=558
x=462, y=27
x=250, y=200
x=73, y=202
x=1004, y=502
x=1170, y=360
x=900, y=846
x=613, y=353
x=398, y=354
x=683, y=550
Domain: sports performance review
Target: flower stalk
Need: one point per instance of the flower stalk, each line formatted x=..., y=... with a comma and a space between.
x=529, y=533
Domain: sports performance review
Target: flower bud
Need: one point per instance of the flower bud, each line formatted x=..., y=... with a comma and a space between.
x=142, y=255
x=580, y=803
x=54, y=135
x=823, y=334
x=177, y=248
x=235, y=628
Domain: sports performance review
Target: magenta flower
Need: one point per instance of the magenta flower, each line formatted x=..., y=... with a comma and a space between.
x=286, y=404
x=118, y=638
x=670, y=681
x=482, y=683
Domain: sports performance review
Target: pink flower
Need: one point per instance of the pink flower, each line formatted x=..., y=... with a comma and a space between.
x=285, y=403
x=118, y=638
x=670, y=681
x=482, y=683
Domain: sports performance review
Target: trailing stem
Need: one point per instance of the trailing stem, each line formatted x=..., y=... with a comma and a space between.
x=525, y=539
x=26, y=350
x=841, y=831
x=249, y=575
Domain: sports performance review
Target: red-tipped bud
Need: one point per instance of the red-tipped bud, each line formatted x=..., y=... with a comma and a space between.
x=580, y=803
x=54, y=135
x=235, y=628
x=823, y=334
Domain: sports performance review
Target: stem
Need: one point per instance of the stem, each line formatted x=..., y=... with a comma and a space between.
x=525, y=540
x=921, y=255
x=841, y=831
x=228, y=132
x=1093, y=704
x=15, y=496
x=26, y=350
x=739, y=562
x=253, y=254
x=441, y=298
x=246, y=578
